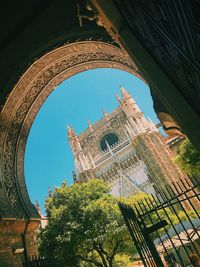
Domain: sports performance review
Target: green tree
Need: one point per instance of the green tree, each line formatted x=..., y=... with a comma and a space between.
x=85, y=227
x=188, y=158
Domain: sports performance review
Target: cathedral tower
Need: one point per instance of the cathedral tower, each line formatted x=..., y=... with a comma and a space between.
x=125, y=149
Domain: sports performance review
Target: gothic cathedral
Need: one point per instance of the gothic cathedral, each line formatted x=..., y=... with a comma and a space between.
x=125, y=149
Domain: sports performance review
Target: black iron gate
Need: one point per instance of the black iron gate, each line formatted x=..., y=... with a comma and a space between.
x=166, y=230
x=36, y=261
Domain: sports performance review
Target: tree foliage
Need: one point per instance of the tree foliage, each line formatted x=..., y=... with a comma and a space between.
x=85, y=227
x=188, y=158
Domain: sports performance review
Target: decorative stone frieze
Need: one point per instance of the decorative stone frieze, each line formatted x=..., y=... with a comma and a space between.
x=24, y=102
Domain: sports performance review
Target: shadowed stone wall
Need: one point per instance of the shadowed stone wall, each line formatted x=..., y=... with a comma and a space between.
x=17, y=235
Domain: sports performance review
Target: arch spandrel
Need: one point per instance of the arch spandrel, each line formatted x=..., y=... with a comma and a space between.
x=25, y=100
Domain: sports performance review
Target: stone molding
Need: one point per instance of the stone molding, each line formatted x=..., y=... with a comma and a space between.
x=24, y=102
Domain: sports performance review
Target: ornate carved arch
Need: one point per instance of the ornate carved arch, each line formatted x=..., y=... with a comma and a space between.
x=25, y=100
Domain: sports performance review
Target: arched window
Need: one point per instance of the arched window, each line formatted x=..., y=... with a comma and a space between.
x=110, y=138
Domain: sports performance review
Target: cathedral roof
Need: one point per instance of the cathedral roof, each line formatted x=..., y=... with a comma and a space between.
x=101, y=122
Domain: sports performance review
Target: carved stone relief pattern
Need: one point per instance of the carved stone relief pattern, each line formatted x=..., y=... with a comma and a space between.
x=115, y=124
x=27, y=97
x=170, y=33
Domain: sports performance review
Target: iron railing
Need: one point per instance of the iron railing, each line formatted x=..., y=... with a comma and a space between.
x=167, y=230
x=35, y=261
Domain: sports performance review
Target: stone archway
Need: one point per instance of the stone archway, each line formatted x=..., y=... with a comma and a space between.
x=25, y=100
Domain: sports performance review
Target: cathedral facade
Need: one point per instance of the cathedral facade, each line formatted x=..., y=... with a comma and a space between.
x=125, y=149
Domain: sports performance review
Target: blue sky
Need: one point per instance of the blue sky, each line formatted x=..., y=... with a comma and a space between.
x=48, y=158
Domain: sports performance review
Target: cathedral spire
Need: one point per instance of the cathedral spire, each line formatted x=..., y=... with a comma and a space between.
x=73, y=140
x=82, y=162
x=128, y=103
x=125, y=94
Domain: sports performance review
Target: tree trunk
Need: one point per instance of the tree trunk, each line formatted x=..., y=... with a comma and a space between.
x=102, y=258
x=111, y=258
x=91, y=261
x=110, y=263
x=101, y=255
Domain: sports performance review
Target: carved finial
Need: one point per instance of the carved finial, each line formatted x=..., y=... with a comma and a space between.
x=68, y=130
x=104, y=112
x=89, y=124
x=118, y=98
x=71, y=133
